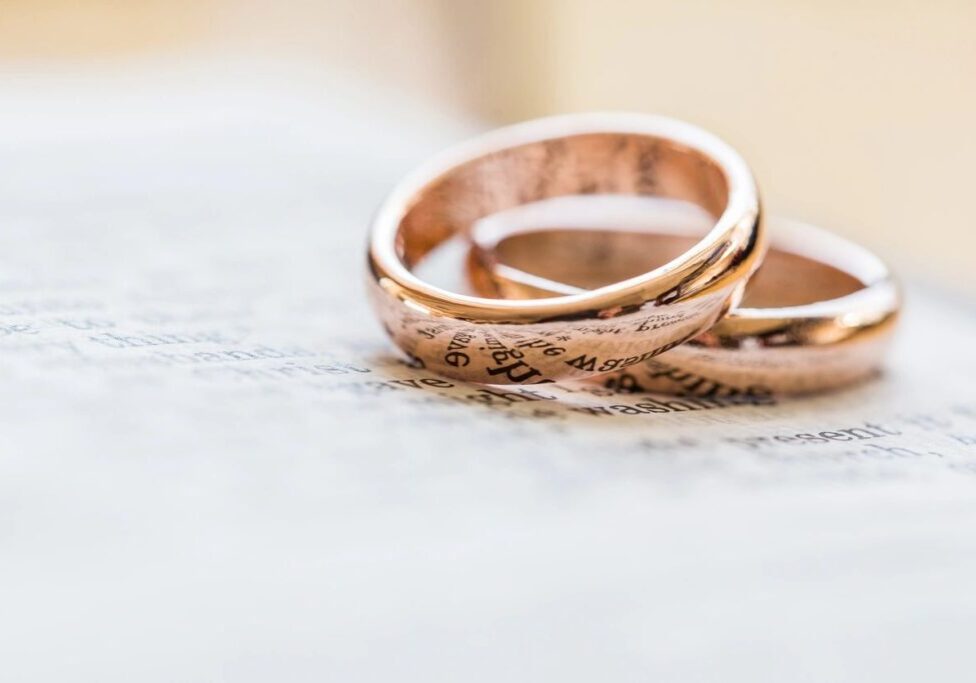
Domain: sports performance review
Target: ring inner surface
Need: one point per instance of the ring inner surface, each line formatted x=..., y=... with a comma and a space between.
x=585, y=164
x=588, y=259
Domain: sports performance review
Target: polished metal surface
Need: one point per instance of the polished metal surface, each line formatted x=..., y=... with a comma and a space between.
x=621, y=324
x=817, y=315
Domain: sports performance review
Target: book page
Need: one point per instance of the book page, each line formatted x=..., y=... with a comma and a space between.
x=215, y=466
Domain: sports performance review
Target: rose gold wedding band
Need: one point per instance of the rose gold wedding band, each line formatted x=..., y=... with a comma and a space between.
x=817, y=315
x=586, y=334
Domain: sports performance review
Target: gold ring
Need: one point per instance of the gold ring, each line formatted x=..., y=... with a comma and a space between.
x=589, y=333
x=817, y=315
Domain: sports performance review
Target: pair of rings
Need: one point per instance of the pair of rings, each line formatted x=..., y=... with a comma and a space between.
x=620, y=243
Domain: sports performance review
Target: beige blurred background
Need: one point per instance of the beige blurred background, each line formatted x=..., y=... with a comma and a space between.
x=857, y=115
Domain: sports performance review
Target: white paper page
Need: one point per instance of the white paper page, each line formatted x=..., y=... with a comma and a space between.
x=214, y=467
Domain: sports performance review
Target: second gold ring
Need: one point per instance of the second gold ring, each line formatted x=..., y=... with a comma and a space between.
x=818, y=314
